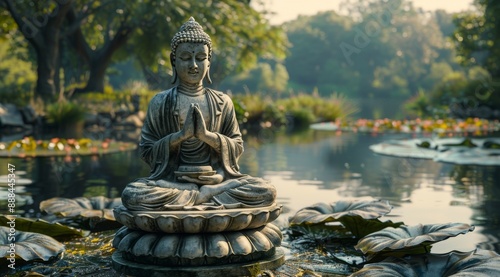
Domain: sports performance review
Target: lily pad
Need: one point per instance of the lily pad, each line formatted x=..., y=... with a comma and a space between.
x=450, y=150
x=322, y=212
x=476, y=156
x=475, y=263
x=53, y=229
x=409, y=239
x=361, y=227
x=29, y=246
x=95, y=213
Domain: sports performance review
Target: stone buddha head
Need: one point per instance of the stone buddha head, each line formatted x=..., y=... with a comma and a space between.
x=191, y=54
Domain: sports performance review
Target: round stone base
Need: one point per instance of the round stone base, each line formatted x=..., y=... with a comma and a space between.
x=130, y=268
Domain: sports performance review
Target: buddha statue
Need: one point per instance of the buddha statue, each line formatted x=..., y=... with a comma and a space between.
x=192, y=142
x=196, y=213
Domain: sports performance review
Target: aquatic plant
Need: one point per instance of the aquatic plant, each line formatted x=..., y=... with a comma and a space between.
x=29, y=246
x=408, y=239
x=474, y=263
x=95, y=213
x=322, y=212
x=28, y=146
x=360, y=217
x=469, y=151
x=443, y=127
x=53, y=229
x=391, y=242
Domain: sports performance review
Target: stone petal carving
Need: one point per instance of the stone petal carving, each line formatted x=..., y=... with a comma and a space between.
x=409, y=236
x=30, y=246
x=322, y=212
x=475, y=263
x=197, y=249
x=208, y=221
x=98, y=206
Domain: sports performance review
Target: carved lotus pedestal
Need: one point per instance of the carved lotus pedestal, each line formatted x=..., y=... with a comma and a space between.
x=231, y=242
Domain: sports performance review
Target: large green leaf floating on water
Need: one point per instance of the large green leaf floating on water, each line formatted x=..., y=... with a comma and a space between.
x=360, y=217
x=98, y=206
x=53, y=229
x=95, y=213
x=361, y=227
x=322, y=212
x=30, y=246
x=465, y=151
x=477, y=263
x=408, y=239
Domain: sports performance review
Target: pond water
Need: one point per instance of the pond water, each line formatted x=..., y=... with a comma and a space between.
x=306, y=168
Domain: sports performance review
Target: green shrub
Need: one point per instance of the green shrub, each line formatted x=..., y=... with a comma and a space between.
x=302, y=117
x=303, y=109
x=323, y=109
x=64, y=113
x=274, y=115
x=419, y=105
x=253, y=104
x=17, y=76
x=469, y=93
x=111, y=101
x=240, y=110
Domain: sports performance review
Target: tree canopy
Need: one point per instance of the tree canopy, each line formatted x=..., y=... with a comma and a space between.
x=83, y=38
x=477, y=37
x=372, y=50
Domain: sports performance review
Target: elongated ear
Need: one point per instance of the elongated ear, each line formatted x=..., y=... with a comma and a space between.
x=174, y=71
x=174, y=75
x=207, y=77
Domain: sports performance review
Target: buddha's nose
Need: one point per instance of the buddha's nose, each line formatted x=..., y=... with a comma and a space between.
x=193, y=64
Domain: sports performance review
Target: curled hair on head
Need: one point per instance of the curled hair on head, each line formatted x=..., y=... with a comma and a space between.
x=191, y=31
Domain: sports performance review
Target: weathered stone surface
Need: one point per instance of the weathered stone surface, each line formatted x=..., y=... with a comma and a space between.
x=190, y=125
x=209, y=221
x=196, y=209
x=198, y=249
x=235, y=269
x=10, y=116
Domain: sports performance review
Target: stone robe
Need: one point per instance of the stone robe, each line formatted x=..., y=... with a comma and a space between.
x=162, y=191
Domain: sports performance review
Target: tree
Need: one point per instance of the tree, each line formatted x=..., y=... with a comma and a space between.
x=477, y=37
x=314, y=47
x=40, y=22
x=239, y=34
x=17, y=77
x=100, y=32
x=264, y=78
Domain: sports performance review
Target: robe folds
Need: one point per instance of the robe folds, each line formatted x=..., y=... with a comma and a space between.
x=162, y=191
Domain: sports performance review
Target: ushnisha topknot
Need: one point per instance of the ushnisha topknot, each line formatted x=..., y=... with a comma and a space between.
x=191, y=31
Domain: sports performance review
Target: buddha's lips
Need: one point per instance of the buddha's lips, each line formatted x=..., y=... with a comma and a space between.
x=193, y=72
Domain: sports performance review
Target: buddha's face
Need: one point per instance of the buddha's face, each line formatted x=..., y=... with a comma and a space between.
x=191, y=62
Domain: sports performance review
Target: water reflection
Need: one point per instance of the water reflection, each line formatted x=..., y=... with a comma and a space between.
x=306, y=167
x=324, y=167
x=71, y=176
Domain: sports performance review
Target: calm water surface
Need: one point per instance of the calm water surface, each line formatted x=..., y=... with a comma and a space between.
x=306, y=168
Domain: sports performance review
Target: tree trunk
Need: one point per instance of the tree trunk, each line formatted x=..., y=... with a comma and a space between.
x=100, y=59
x=47, y=56
x=44, y=37
x=45, y=87
x=97, y=75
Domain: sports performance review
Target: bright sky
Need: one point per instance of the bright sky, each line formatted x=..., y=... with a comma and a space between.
x=289, y=9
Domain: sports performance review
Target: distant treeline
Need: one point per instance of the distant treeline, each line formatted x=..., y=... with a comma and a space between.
x=385, y=52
